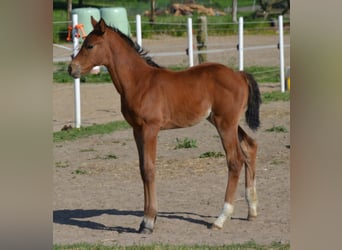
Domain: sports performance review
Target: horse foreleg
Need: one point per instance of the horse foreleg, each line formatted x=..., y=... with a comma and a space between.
x=146, y=140
x=249, y=147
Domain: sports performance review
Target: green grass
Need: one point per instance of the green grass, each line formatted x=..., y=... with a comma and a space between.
x=275, y=96
x=244, y=246
x=211, y=154
x=77, y=133
x=277, y=129
x=60, y=164
x=264, y=74
x=185, y=143
x=79, y=172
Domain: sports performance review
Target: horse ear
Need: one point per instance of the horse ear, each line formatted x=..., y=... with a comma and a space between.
x=102, y=25
x=99, y=26
x=93, y=21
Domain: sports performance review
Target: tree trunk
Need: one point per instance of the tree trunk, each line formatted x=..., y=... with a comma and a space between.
x=69, y=8
x=234, y=11
x=153, y=7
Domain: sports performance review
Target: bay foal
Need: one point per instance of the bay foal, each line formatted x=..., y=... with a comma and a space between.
x=154, y=98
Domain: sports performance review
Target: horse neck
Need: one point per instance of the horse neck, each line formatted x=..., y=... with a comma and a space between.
x=125, y=65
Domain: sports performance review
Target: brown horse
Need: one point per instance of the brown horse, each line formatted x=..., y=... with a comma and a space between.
x=155, y=98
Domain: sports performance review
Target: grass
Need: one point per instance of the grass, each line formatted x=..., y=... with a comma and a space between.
x=275, y=96
x=79, y=172
x=60, y=164
x=244, y=246
x=77, y=133
x=185, y=143
x=277, y=129
x=211, y=154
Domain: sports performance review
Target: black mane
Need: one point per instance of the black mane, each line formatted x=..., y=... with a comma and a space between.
x=138, y=48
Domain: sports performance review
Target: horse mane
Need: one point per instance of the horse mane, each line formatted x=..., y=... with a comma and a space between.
x=141, y=51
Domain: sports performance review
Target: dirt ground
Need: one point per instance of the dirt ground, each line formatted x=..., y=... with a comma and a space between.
x=98, y=198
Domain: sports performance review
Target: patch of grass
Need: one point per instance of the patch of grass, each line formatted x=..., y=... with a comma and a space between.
x=87, y=150
x=185, y=143
x=79, y=171
x=211, y=154
x=276, y=162
x=60, y=164
x=110, y=156
x=275, y=96
x=76, y=133
x=277, y=129
x=264, y=74
x=244, y=246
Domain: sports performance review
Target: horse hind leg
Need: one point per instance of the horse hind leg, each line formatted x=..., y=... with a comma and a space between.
x=235, y=160
x=249, y=148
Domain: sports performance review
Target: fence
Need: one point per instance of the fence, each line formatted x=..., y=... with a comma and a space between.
x=228, y=50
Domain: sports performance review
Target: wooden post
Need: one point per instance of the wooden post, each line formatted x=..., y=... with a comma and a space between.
x=153, y=7
x=202, y=38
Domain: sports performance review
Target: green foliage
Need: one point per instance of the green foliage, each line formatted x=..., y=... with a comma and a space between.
x=185, y=143
x=77, y=133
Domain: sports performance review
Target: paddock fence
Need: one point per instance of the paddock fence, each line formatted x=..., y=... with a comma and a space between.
x=238, y=49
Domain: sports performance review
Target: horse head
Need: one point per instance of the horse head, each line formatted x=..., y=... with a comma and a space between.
x=92, y=52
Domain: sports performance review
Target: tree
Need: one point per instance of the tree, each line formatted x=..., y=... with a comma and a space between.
x=275, y=6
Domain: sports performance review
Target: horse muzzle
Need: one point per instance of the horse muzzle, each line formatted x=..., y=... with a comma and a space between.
x=74, y=70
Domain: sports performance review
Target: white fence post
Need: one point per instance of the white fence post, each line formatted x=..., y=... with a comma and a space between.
x=240, y=43
x=138, y=28
x=190, y=43
x=281, y=54
x=76, y=80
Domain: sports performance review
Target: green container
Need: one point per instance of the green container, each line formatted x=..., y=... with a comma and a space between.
x=116, y=17
x=84, y=15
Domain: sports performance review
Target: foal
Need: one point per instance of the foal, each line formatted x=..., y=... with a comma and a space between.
x=154, y=98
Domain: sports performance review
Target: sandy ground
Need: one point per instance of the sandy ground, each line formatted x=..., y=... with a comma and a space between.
x=99, y=199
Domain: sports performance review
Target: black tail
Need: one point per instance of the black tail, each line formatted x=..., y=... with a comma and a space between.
x=254, y=101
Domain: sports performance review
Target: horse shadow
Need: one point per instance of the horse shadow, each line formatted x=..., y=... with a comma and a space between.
x=82, y=218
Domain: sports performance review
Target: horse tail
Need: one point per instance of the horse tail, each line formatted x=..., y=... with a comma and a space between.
x=254, y=101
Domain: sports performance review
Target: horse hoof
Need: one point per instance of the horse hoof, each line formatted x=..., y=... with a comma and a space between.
x=145, y=230
x=215, y=227
x=251, y=217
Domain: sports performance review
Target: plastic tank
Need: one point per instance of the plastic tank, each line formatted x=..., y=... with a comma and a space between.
x=116, y=17
x=84, y=15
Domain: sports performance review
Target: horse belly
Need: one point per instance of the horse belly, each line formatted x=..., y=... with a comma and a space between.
x=186, y=118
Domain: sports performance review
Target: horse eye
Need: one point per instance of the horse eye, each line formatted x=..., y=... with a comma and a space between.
x=89, y=46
